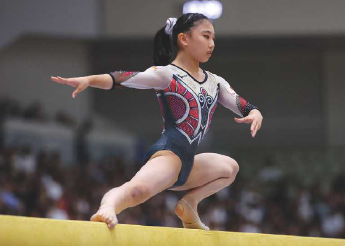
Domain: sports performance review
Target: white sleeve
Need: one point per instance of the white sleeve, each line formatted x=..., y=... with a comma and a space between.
x=231, y=100
x=156, y=77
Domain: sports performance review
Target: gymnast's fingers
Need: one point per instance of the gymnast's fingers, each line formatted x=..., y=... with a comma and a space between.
x=79, y=89
x=74, y=82
x=258, y=126
x=254, y=133
x=253, y=125
x=56, y=79
x=243, y=120
x=64, y=80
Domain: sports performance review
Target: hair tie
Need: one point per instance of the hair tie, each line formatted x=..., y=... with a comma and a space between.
x=170, y=25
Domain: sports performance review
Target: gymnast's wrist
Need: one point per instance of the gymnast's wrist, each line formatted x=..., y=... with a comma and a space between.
x=101, y=81
x=253, y=111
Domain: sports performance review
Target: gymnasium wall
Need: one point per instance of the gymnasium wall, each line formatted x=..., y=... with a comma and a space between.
x=334, y=75
x=136, y=18
x=250, y=17
x=26, y=67
x=77, y=18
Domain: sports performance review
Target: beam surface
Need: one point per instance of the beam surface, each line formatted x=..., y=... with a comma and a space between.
x=16, y=230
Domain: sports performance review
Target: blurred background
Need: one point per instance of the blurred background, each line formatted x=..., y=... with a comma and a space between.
x=58, y=155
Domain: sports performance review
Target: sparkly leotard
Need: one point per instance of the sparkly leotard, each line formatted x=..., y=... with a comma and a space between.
x=187, y=108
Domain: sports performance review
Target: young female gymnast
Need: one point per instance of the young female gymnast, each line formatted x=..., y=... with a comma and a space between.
x=188, y=97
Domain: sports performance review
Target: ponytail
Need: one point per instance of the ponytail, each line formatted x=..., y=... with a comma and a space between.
x=162, y=48
x=165, y=46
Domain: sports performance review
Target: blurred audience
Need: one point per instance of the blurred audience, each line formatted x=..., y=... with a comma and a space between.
x=32, y=112
x=269, y=201
x=41, y=186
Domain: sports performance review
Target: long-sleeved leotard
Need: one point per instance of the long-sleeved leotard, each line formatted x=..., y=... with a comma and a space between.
x=187, y=107
x=160, y=77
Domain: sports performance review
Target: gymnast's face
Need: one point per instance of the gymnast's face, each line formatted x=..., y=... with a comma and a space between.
x=198, y=42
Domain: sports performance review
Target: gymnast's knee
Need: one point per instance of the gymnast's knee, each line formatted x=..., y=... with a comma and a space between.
x=139, y=193
x=232, y=168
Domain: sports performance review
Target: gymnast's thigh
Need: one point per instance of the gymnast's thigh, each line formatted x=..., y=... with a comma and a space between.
x=160, y=172
x=208, y=167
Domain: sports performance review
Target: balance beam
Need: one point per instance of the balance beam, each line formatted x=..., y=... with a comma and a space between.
x=22, y=231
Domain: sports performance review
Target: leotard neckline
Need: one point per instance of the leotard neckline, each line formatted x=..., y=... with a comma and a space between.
x=206, y=76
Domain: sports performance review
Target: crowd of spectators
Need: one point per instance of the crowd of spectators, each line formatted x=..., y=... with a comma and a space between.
x=270, y=201
x=39, y=185
x=11, y=108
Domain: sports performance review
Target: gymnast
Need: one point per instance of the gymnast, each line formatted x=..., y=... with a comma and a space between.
x=188, y=97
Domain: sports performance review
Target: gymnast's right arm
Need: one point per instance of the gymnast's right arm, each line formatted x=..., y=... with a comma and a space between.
x=157, y=77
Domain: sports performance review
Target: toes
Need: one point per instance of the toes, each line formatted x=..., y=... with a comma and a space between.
x=112, y=224
x=96, y=218
x=206, y=227
x=105, y=218
x=99, y=217
x=111, y=221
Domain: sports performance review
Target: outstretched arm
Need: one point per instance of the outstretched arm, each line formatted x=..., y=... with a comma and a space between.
x=152, y=78
x=231, y=100
x=102, y=81
x=157, y=77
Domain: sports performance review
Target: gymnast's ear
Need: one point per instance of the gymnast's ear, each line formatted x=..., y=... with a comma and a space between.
x=182, y=40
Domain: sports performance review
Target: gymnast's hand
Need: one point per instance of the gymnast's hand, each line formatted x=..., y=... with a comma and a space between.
x=81, y=83
x=255, y=118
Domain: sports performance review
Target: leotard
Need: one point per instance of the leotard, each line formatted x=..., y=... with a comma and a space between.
x=187, y=108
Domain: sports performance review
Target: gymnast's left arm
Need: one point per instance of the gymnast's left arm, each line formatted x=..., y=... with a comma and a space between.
x=230, y=99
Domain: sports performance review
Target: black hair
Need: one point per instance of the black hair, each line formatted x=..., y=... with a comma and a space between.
x=164, y=46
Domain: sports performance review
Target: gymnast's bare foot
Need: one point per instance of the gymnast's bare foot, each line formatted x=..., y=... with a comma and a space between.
x=186, y=210
x=106, y=213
